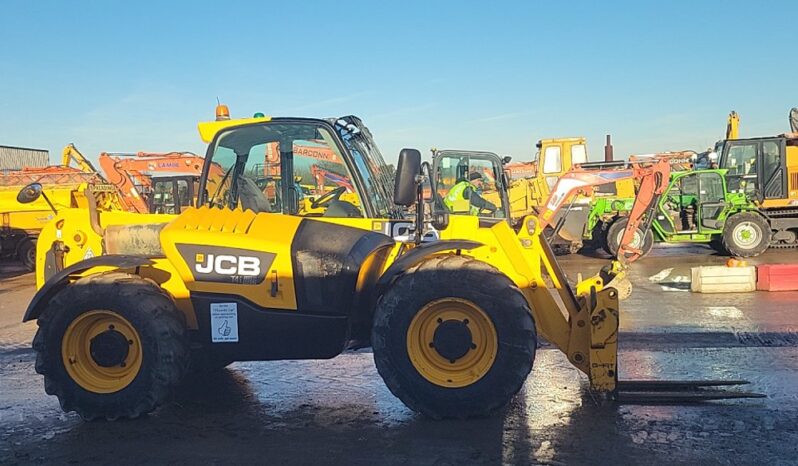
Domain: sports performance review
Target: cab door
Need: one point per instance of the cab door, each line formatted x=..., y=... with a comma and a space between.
x=451, y=166
x=163, y=197
x=773, y=169
x=671, y=204
x=711, y=201
x=171, y=195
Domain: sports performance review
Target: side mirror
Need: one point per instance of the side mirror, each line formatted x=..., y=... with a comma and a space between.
x=506, y=159
x=29, y=193
x=406, y=184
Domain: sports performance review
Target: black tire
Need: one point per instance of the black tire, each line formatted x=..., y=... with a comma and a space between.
x=615, y=232
x=158, y=324
x=603, y=238
x=451, y=276
x=27, y=254
x=735, y=229
x=597, y=238
x=717, y=244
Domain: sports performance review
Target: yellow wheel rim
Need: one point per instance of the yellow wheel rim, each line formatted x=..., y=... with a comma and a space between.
x=101, y=351
x=452, y=342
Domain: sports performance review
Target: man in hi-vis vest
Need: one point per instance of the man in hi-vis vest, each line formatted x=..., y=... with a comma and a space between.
x=464, y=197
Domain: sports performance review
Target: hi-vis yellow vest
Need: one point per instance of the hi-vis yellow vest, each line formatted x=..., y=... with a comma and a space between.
x=456, y=202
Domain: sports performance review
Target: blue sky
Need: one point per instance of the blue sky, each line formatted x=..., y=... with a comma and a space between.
x=137, y=76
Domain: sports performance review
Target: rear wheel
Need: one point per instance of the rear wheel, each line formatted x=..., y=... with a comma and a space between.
x=639, y=241
x=603, y=238
x=111, y=345
x=746, y=234
x=27, y=254
x=453, y=338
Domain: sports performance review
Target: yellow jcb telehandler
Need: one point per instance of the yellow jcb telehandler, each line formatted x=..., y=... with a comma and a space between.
x=453, y=323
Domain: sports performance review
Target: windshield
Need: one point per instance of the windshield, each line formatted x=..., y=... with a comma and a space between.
x=292, y=167
x=377, y=176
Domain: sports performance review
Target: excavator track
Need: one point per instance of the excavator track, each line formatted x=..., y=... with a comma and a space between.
x=783, y=246
x=679, y=391
x=782, y=214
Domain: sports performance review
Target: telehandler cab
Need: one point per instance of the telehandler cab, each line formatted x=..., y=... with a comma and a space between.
x=453, y=323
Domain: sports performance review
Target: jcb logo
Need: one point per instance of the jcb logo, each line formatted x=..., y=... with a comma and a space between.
x=225, y=264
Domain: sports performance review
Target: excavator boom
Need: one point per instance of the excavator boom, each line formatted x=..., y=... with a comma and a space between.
x=654, y=175
x=651, y=173
x=733, y=126
x=71, y=153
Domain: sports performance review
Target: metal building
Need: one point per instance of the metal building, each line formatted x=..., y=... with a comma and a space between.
x=17, y=158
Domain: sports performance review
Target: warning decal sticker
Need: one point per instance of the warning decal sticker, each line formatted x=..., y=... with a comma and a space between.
x=224, y=322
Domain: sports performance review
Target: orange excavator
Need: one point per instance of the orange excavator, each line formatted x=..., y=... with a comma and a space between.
x=650, y=173
x=143, y=192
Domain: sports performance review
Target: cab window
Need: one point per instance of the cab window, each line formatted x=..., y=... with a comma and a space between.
x=552, y=162
x=293, y=168
x=163, y=197
x=578, y=154
x=741, y=163
x=711, y=188
x=689, y=185
x=741, y=159
x=183, y=193
x=467, y=184
x=772, y=174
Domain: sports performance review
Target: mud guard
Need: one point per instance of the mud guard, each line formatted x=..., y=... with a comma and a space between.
x=60, y=280
x=361, y=332
x=419, y=253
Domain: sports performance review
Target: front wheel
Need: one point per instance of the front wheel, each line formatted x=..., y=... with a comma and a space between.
x=746, y=234
x=615, y=234
x=453, y=338
x=111, y=346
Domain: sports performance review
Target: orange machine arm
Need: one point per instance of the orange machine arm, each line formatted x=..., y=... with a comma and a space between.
x=653, y=174
x=130, y=171
x=121, y=178
x=173, y=162
x=574, y=182
x=654, y=177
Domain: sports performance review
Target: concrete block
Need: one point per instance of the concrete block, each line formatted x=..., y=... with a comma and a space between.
x=777, y=277
x=722, y=279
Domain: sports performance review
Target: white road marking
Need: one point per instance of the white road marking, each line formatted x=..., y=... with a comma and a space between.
x=661, y=275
